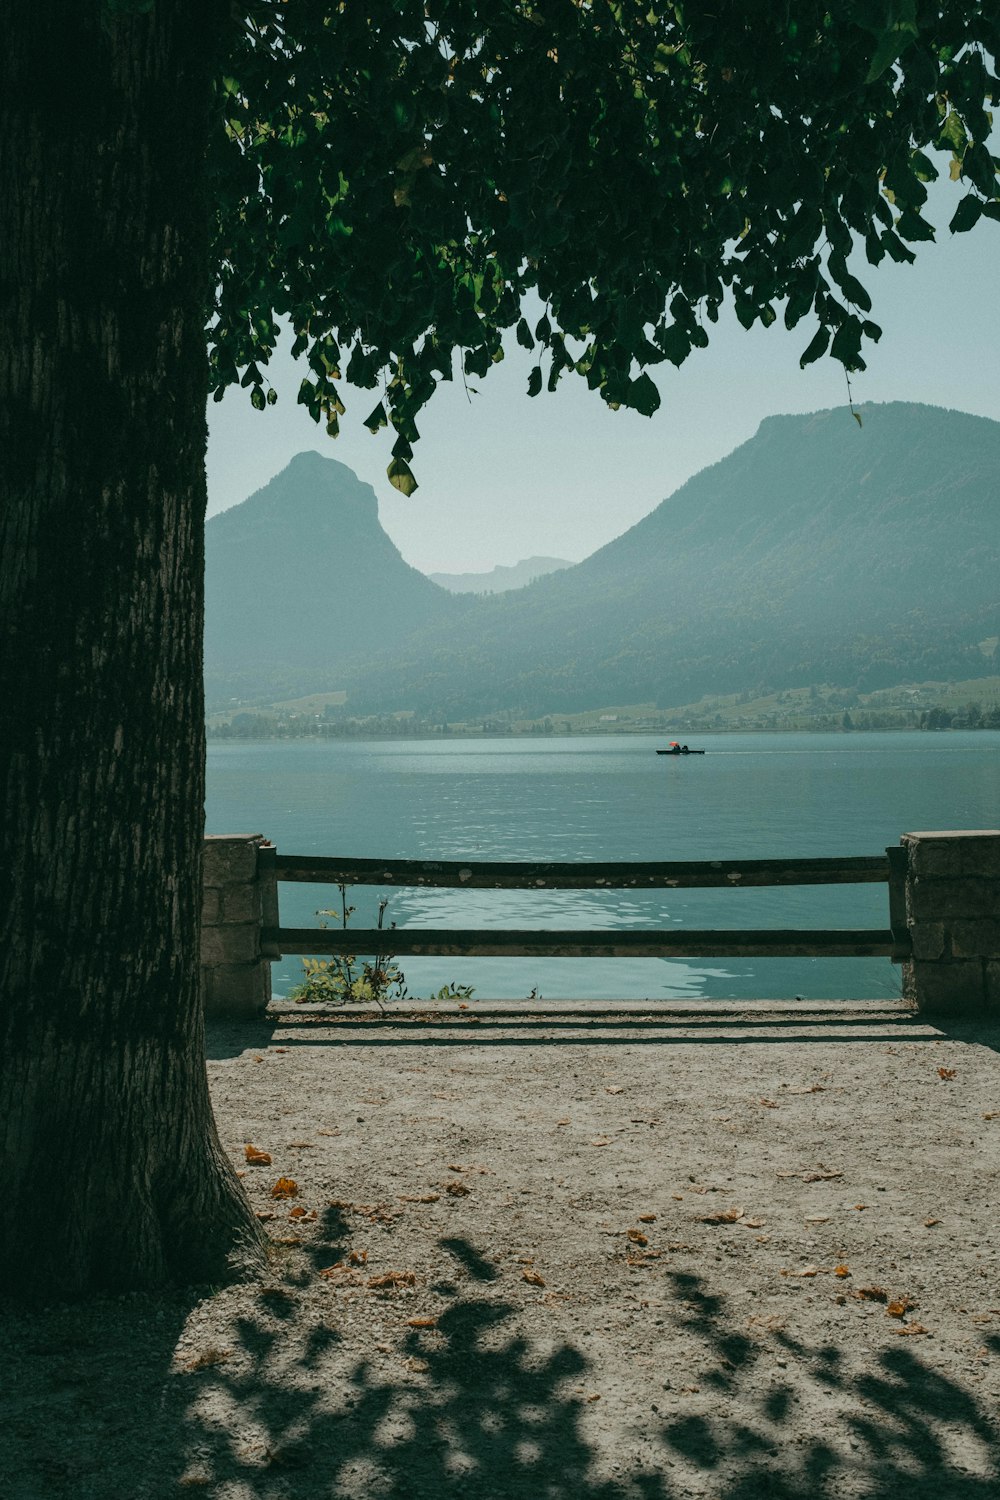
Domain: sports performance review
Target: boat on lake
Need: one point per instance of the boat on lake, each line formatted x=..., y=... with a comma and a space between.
x=676, y=749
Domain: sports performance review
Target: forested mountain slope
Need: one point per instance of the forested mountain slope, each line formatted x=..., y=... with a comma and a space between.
x=301, y=580
x=815, y=552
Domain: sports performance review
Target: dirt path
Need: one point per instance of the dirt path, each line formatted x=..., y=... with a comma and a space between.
x=583, y=1256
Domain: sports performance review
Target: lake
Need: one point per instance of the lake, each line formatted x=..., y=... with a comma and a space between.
x=609, y=798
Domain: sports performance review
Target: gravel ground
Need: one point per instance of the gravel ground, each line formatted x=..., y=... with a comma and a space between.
x=583, y=1254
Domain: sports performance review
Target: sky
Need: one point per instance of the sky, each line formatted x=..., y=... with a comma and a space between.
x=503, y=477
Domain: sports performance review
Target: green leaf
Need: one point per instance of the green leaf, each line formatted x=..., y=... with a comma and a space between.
x=967, y=214
x=401, y=448
x=675, y=343
x=272, y=396
x=846, y=344
x=857, y=417
x=535, y=381
x=977, y=166
x=401, y=476
x=524, y=335
x=643, y=396
x=376, y=419
x=257, y=399
x=816, y=347
x=912, y=227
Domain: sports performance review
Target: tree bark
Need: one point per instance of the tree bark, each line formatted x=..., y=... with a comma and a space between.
x=112, y=1172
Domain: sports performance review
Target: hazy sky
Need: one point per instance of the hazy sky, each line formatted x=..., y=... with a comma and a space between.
x=503, y=477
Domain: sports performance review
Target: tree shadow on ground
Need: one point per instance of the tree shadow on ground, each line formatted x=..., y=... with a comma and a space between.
x=98, y=1404
x=476, y=1409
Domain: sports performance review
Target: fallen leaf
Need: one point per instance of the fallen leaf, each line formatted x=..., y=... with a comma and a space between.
x=678, y=1197
x=328, y=1132
x=392, y=1278
x=358, y=1257
x=595, y=1397
x=911, y=1329
x=458, y=1188
x=418, y=1365
x=770, y=1321
x=821, y=1176
x=600, y=1140
x=769, y=1103
x=615, y=1088
x=818, y=1219
x=899, y=1307
x=207, y=1358
x=298, y=1212
x=992, y=1114
x=264, y=1213
x=285, y=1187
x=753, y=1223
x=419, y=1197
x=532, y=1277
x=256, y=1158
x=807, y=1271
x=929, y=1223
x=636, y=1236
x=724, y=1216
x=842, y=1271
x=453, y=1166
x=562, y=1122
x=860, y=1207
x=288, y=1239
x=946, y=1073
x=646, y=1218
x=421, y=1322
x=871, y=1294
x=278, y=1049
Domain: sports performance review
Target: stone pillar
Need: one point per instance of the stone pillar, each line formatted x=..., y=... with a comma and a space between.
x=953, y=915
x=236, y=977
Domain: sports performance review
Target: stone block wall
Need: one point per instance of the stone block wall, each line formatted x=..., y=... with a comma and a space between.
x=953, y=916
x=236, y=977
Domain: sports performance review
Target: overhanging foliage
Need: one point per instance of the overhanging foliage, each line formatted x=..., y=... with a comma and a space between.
x=396, y=177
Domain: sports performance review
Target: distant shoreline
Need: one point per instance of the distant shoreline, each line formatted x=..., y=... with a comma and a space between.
x=214, y=735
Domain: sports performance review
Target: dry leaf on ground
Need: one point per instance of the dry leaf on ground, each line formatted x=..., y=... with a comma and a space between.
x=912, y=1329
x=532, y=1277
x=458, y=1188
x=421, y=1322
x=899, y=1307
x=646, y=1218
x=724, y=1216
x=392, y=1279
x=419, y=1197
x=255, y=1157
x=946, y=1073
x=600, y=1140
x=842, y=1270
x=636, y=1236
x=285, y=1187
x=871, y=1294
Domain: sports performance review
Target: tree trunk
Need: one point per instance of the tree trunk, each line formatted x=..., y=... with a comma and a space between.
x=112, y=1172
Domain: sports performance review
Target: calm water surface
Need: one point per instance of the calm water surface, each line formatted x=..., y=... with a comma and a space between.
x=609, y=798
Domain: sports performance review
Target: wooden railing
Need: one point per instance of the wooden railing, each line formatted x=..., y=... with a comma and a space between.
x=887, y=869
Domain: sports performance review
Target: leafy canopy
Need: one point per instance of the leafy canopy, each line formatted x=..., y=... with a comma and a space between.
x=399, y=179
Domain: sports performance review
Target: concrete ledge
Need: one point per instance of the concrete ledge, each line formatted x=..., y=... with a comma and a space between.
x=953, y=918
x=236, y=978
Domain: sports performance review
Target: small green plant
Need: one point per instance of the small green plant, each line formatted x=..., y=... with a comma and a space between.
x=454, y=991
x=337, y=980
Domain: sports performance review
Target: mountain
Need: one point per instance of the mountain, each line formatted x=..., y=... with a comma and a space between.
x=501, y=579
x=302, y=581
x=816, y=552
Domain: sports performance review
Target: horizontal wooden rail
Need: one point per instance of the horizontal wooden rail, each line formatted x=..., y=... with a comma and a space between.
x=405, y=942
x=480, y=875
